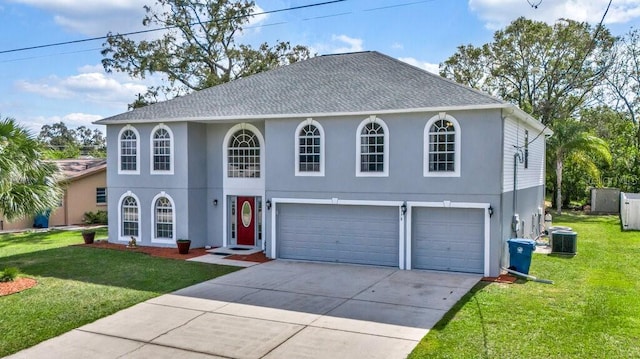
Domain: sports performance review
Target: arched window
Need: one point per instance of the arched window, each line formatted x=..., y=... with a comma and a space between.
x=163, y=219
x=442, y=146
x=243, y=157
x=129, y=217
x=161, y=150
x=309, y=149
x=129, y=150
x=373, y=148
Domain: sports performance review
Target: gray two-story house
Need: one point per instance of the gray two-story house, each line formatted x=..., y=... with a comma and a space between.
x=352, y=158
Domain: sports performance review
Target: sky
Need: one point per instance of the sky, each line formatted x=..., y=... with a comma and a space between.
x=68, y=83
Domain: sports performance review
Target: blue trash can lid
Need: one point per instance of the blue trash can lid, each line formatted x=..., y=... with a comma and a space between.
x=523, y=241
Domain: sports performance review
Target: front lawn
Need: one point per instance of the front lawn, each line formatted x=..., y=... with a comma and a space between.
x=592, y=310
x=77, y=284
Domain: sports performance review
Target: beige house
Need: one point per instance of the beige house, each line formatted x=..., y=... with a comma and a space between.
x=85, y=189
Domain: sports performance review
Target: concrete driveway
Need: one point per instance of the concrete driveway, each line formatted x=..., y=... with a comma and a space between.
x=279, y=309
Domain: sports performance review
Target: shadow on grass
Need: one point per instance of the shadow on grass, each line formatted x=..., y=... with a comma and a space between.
x=114, y=268
x=442, y=323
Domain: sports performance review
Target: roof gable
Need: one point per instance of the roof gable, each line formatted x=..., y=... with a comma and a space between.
x=343, y=83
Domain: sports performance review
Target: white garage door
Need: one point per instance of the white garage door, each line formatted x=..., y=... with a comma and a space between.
x=334, y=233
x=448, y=239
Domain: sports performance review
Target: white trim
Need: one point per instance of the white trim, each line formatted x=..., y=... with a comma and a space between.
x=296, y=144
x=340, y=202
x=153, y=219
x=385, y=172
x=449, y=204
x=171, y=151
x=124, y=172
x=425, y=151
x=241, y=186
x=120, y=237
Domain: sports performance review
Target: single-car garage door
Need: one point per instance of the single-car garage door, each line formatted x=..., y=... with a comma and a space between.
x=449, y=239
x=335, y=233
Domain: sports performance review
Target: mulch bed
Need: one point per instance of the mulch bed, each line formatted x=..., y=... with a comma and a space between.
x=502, y=278
x=18, y=285
x=255, y=257
x=171, y=253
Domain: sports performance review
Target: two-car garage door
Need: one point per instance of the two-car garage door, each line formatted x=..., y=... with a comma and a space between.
x=335, y=233
x=449, y=239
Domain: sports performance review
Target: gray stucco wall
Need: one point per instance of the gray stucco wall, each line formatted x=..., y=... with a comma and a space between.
x=480, y=161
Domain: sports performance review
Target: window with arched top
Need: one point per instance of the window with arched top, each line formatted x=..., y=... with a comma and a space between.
x=309, y=149
x=130, y=218
x=373, y=148
x=442, y=146
x=243, y=156
x=128, y=151
x=161, y=150
x=163, y=219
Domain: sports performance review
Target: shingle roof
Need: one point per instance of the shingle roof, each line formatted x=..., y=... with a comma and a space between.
x=344, y=83
x=71, y=169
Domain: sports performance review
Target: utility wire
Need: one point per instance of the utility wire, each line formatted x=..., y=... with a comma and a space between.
x=168, y=27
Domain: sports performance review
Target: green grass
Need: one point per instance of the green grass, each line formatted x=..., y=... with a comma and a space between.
x=591, y=311
x=77, y=285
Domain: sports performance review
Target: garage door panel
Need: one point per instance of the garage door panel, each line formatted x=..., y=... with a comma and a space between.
x=450, y=239
x=348, y=234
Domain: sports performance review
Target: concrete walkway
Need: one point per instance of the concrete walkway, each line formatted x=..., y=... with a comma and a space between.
x=279, y=309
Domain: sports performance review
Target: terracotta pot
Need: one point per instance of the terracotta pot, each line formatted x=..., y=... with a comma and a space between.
x=88, y=237
x=183, y=246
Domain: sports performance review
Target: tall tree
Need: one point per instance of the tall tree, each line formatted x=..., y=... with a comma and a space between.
x=548, y=71
x=63, y=142
x=27, y=182
x=623, y=80
x=197, y=50
x=572, y=141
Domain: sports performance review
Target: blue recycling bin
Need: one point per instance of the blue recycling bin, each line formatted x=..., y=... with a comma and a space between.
x=41, y=220
x=520, y=251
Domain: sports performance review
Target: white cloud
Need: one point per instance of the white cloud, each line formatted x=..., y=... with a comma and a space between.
x=499, y=13
x=397, y=46
x=95, y=17
x=91, y=85
x=353, y=44
x=433, y=68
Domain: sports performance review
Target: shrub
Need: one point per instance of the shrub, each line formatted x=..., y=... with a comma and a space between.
x=99, y=217
x=9, y=274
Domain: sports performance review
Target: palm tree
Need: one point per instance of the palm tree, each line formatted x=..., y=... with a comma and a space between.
x=572, y=141
x=27, y=183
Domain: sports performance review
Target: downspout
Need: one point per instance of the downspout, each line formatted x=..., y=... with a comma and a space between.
x=515, y=219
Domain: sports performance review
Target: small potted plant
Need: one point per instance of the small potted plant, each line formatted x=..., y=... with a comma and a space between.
x=183, y=245
x=88, y=235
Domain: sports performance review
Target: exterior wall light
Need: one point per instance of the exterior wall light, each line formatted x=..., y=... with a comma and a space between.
x=490, y=210
x=268, y=204
x=403, y=208
x=215, y=202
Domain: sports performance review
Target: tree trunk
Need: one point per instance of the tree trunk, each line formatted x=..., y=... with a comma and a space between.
x=559, y=166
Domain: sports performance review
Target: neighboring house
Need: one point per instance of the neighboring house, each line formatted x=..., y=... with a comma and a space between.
x=354, y=158
x=84, y=184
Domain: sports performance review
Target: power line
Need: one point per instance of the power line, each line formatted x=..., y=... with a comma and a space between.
x=168, y=27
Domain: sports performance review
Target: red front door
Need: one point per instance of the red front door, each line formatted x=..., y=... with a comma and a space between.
x=245, y=219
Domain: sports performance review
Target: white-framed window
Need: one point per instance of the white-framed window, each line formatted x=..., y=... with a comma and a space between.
x=129, y=217
x=442, y=146
x=372, y=148
x=128, y=150
x=101, y=196
x=243, y=155
x=309, y=149
x=164, y=219
x=161, y=150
